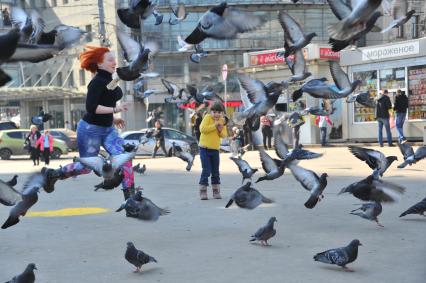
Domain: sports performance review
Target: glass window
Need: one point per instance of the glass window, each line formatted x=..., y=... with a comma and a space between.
x=174, y=135
x=59, y=79
x=369, y=83
x=392, y=79
x=135, y=136
x=71, y=79
x=417, y=92
x=48, y=78
x=15, y=135
x=82, y=78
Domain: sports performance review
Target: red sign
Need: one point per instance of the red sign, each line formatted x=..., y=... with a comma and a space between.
x=327, y=53
x=228, y=104
x=267, y=58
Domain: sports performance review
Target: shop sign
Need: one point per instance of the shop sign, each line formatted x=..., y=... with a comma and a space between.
x=267, y=58
x=228, y=104
x=327, y=53
x=396, y=50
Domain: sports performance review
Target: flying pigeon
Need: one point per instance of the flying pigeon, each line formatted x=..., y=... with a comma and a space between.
x=340, y=256
x=172, y=89
x=142, y=208
x=8, y=45
x=247, y=197
x=369, y=211
x=224, y=22
x=139, y=9
x=29, y=198
x=297, y=67
x=376, y=160
x=363, y=98
x=311, y=182
x=204, y=95
x=246, y=171
x=400, y=15
x=138, y=169
x=27, y=276
x=184, y=155
x=264, y=233
x=354, y=21
x=8, y=195
x=137, y=257
x=199, y=53
x=294, y=33
x=370, y=189
x=274, y=168
x=182, y=45
x=418, y=208
x=111, y=183
x=104, y=167
x=179, y=12
x=411, y=157
x=136, y=54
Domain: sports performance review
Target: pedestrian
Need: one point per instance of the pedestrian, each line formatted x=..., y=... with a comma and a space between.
x=212, y=128
x=196, y=125
x=237, y=141
x=45, y=143
x=159, y=139
x=321, y=122
x=97, y=129
x=67, y=125
x=31, y=141
x=266, y=131
x=6, y=17
x=400, y=108
x=383, y=106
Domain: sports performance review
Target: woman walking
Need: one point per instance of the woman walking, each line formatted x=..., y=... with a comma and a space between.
x=45, y=143
x=31, y=141
x=266, y=131
x=159, y=139
x=96, y=128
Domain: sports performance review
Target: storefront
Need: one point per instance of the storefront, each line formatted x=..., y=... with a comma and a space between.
x=387, y=67
x=270, y=66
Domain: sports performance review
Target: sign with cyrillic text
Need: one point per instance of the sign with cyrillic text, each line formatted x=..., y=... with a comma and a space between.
x=395, y=50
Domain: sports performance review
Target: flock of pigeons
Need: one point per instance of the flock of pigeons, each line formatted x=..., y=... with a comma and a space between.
x=28, y=42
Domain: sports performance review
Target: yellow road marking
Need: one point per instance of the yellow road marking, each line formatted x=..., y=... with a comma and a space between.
x=67, y=212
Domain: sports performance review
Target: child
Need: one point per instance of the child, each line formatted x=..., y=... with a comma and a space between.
x=212, y=129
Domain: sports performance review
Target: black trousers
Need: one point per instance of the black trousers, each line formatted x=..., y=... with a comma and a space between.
x=157, y=146
x=46, y=155
x=35, y=155
x=267, y=136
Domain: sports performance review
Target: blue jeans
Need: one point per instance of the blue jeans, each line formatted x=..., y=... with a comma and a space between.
x=385, y=122
x=210, y=162
x=400, y=119
x=323, y=132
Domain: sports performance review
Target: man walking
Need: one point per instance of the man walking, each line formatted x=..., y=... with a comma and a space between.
x=383, y=106
x=400, y=107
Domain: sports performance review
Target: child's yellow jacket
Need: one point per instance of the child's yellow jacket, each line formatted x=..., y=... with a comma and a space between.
x=210, y=137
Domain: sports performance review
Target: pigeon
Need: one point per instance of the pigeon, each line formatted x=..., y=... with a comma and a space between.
x=294, y=33
x=179, y=12
x=374, y=159
x=244, y=168
x=183, y=46
x=224, y=22
x=8, y=195
x=105, y=167
x=411, y=157
x=142, y=208
x=29, y=198
x=111, y=183
x=137, y=257
x=136, y=54
x=353, y=21
x=8, y=45
x=27, y=276
x=12, y=182
x=204, y=95
x=247, y=197
x=311, y=182
x=148, y=93
x=172, y=89
x=340, y=256
x=263, y=234
x=399, y=14
x=369, y=211
x=184, y=155
x=363, y=98
x=418, y=208
x=297, y=67
x=138, y=169
x=370, y=189
x=199, y=53
x=317, y=111
x=338, y=45
x=139, y=9
x=262, y=97
x=274, y=168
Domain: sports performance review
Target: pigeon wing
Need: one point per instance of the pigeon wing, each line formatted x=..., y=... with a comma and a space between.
x=406, y=150
x=281, y=148
x=268, y=163
x=8, y=195
x=307, y=178
x=420, y=153
x=242, y=21
x=255, y=89
x=291, y=28
x=94, y=163
x=117, y=161
x=340, y=8
x=130, y=46
x=386, y=191
x=33, y=53
x=339, y=76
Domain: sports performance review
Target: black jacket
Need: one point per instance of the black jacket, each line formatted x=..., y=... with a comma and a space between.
x=159, y=135
x=383, y=106
x=401, y=103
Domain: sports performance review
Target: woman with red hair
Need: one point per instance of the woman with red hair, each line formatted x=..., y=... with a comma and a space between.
x=96, y=128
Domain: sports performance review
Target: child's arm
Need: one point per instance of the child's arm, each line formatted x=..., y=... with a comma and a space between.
x=207, y=127
x=223, y=133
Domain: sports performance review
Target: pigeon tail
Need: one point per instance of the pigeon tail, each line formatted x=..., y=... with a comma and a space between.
x=260, y=179
x=297, y=94
x=360, y=214
x=196, y=36
x=337, y=45
x=10, y=222
x=339, y=30
x=151, y=259
x=311, y=202
x=403, y=165
x=322, y=258
x=129, y=18
x=229, y=203
x=189, y=166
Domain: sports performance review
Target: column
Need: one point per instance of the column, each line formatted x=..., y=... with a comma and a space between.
x=186, y=80
x=67, y=109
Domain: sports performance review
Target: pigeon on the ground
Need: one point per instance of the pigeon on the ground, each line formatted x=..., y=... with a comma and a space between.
x=294, y=33
x=12, y=182
x=369, y=211
x=340, y=256
x=371, y=189
x=224, y=22
x=111, y=183
x=138, y=169
x=310, y=181
x=142, y=208
x=184, y=155
x=137, y=55
x=411, y=157
x=179, y=12
x=297, y=67
x=263, y=234
x=27, y=276
x=376, y=160
x=139, y=9
x=274, y=168
x=418, y=208
x=8, y=195
x=137, y=257
x=353, y=22
x=105, y=167
x=363, y=98
x=29, y=198
x=247, y=197
x=246, y=171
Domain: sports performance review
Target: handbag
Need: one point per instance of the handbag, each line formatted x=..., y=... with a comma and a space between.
x=392, y=122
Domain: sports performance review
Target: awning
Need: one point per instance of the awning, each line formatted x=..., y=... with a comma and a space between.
x=40, y=92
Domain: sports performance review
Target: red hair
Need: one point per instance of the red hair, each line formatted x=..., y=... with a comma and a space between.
x=91, y=57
